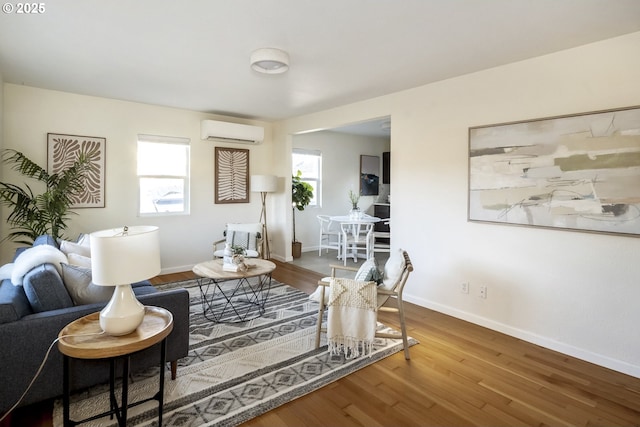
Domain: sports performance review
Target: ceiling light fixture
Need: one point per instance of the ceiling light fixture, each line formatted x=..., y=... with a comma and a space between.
x=270, y=61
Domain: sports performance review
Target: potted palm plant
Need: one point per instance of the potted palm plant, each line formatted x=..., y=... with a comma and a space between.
x=301, y=195
x=32, y=215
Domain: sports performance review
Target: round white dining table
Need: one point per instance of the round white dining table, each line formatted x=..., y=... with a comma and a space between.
x=348, y=218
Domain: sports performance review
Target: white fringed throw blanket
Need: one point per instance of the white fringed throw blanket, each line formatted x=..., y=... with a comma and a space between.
x=30, y=258
x=351, y=322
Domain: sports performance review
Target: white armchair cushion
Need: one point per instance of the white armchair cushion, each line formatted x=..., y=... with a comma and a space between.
x=392, y=270
x=246, y=235
x=254, y=227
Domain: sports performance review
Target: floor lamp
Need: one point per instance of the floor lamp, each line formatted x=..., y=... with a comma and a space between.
x=264, y=184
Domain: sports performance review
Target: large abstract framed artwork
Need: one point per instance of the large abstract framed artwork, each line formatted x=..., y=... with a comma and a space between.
x=232, y=175
x=579, y=172
x=62, y=152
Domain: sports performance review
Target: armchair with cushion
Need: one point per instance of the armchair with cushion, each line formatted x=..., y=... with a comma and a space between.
x=391, y=281
x=247, y=236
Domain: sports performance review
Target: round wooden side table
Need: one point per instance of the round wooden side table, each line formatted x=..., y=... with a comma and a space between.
x=83, y=339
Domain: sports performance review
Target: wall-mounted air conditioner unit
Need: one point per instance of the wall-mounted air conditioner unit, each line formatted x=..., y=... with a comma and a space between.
x=214, y=130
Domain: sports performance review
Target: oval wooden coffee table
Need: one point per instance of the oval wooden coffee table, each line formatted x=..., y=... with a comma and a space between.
x=234, y=302
x=83, y=339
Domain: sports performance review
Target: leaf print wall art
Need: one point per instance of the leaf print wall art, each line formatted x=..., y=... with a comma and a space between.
x=232, y=175
x=63, y=150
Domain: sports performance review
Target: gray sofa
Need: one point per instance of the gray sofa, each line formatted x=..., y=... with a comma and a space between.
x=32, y=315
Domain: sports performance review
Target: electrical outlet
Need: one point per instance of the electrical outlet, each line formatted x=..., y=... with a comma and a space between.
x=483, y=292
x=464, y=288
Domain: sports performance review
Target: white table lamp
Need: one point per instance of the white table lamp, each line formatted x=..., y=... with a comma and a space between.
x=120, y=257
x=264, y=184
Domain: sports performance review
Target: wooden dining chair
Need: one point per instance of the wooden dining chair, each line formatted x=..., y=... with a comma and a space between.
x=395, y=274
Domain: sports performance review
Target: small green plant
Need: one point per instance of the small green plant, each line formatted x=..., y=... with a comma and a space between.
x=238, y=250
x=354, y=198
x=32, y=215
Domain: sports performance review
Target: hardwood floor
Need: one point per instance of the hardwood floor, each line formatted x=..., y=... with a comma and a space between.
x=459, y=375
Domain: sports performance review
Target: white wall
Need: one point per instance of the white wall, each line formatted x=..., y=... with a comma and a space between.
x=31, y=113
x=574, y=292
x=340, y=173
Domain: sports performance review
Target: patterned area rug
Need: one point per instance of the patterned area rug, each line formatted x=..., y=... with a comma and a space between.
x=235, y=371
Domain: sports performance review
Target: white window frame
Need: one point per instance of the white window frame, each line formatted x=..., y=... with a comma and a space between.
x=317, y=180
x=176, y=141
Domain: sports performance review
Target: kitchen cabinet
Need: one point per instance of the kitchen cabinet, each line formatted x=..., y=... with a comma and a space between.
x=382, y=210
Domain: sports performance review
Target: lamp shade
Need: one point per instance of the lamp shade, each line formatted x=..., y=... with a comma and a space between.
x=125, y=255
x=264, y=183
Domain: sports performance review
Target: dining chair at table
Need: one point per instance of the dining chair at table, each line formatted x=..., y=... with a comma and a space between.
x=356, y=237
x=381, y=240
x=330, y=236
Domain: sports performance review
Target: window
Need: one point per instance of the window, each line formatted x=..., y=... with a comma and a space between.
x=163, y=175
x=309, y=162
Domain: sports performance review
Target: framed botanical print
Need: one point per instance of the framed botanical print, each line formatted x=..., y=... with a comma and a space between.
x=232, y=175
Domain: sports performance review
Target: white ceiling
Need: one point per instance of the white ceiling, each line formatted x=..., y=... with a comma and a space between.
x=195, y=54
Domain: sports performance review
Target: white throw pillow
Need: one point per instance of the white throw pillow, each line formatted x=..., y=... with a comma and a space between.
x=393, y=269
x=315, y=296
x=5, y=271
x=68, y=247
x=79, y=260
x=84, y=240
x=77, y=280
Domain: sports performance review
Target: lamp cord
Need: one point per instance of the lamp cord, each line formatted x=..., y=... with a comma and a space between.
x=44, y=361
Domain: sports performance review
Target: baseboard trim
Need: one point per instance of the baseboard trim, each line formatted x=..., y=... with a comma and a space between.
x=179, y=269
x=577, y=352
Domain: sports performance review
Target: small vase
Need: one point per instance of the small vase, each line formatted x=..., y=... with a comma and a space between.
x=228, y=254
x=355, y=213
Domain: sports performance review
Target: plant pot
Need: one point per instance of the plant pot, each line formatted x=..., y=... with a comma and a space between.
x=296, y=249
